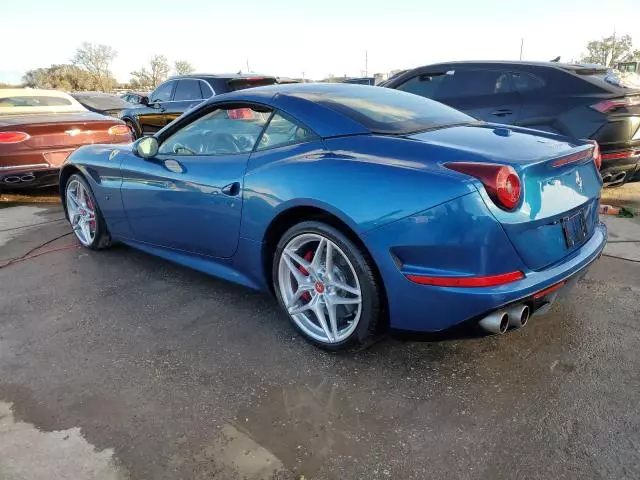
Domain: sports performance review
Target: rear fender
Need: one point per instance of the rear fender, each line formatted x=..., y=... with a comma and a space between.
x=366, y=190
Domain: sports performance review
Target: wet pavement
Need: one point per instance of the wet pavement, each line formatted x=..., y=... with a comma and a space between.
x=153, y=371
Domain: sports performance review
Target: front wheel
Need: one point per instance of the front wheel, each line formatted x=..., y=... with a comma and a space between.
x=327, y=286
x=84, y=214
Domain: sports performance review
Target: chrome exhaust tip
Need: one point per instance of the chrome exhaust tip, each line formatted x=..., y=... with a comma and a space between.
x=518, y=315
x=496, y=322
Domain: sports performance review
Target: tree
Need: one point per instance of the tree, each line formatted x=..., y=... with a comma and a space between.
x=141, y=80
x=182, y=67
x=96, y=60
x=159, y=70
x=611, y=50
x=36, y=78
x=60, y=77
x=146, y=79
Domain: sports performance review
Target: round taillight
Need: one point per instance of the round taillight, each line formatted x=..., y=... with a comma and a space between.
x=501, y=182
x=508, y=187
x=13, y=137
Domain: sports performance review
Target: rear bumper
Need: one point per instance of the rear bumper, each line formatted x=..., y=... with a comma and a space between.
x=25, y=177
x=429, y=308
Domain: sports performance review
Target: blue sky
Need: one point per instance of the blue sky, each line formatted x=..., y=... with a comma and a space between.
x=289, y=37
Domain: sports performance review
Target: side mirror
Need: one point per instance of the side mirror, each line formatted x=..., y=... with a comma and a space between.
x=144, y=100
x=146, y=147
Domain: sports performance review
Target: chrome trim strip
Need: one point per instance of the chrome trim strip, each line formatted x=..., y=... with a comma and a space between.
x=33, y=165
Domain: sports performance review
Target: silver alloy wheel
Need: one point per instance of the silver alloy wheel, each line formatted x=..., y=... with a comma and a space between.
x=319, y=288
x=81, y=212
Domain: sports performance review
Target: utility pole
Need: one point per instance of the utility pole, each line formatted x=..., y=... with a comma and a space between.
x=521, y=46
x=366, y=63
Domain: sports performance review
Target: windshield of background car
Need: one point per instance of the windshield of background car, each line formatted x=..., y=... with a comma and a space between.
x=103, y=102
x=387, y=111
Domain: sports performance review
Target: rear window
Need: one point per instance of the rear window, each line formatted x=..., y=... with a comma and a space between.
x=249, y=82
x=102, y=102
x=27, y=101
x=387, y=111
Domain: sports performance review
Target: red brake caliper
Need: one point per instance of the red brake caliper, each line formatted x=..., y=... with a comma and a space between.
x=306, y=296
x=92, y=223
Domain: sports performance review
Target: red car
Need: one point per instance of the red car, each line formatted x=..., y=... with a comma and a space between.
x=40, y=128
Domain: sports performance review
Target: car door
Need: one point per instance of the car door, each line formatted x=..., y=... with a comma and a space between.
x=153, y=117
x=186, y=95
x=189, y=196
x=541, y=105
x=486, y=94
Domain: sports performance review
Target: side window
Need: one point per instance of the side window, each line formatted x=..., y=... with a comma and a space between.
x=282, y=131
x=424, y=85
x=206, y=90
x=162, y=93
x=471, y=83
x=525, y=82
x=188, y=90
x=220, y=132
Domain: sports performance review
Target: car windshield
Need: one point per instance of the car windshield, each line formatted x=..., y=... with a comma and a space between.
x=387, y=111
x=102, y=101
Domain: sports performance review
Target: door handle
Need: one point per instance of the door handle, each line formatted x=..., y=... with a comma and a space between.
x=232, y=189
x=502, y=112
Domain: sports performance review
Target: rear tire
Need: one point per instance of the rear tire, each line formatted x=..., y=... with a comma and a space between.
x=327, y=287
x=84, y=214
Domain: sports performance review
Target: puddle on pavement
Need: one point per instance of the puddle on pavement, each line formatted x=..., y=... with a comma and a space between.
x=27, y=452
x=286, y=432
x=304, y=425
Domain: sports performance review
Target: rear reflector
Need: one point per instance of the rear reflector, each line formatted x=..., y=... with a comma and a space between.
x=549, y=290
x=500, y=181
x=607, y=106
x=487, y=281
x=13, y=137
x=617, y=155
x=119, y=130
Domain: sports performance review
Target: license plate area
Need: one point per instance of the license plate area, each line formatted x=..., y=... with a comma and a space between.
x=575, y=228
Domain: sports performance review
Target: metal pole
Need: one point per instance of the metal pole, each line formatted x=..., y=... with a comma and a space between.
x=366, y=63
x=521, y=45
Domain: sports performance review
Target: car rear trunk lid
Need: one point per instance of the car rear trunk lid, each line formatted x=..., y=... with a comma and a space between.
x=558, y=211
x=60, y=131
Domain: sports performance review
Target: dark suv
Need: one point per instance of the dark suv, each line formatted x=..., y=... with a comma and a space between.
x=178, y=94
x=574, y=100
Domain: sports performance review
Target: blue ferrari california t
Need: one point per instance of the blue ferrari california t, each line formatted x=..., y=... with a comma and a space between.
x=359, y=208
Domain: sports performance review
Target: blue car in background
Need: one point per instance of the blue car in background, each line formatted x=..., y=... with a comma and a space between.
x=359, y=208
